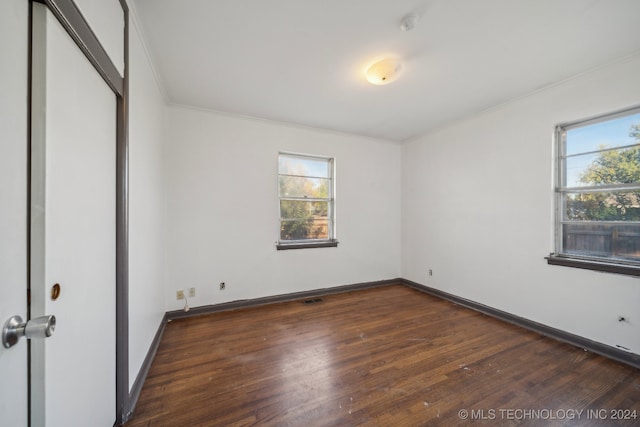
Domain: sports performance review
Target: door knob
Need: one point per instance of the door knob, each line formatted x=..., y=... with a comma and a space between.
x=14, y=328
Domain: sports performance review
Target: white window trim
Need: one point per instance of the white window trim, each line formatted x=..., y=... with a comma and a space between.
x=311, y=243
x=559, y=257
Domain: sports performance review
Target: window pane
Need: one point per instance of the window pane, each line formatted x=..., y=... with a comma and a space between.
x=294, y=165
x=300, y=209
x=576, y=168
x=603, y=206
x=602, y=240
x=597, y=221
x=314, y=228
x=305, y=189
x=607, y=134
x=295, y=186
x=609, y=167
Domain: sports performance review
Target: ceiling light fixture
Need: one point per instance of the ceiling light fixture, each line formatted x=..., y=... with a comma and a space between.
x=383, y=72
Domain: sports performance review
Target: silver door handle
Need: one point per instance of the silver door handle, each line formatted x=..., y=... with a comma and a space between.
x=15, y=328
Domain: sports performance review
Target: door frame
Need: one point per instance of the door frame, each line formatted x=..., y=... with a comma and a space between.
x=72, y=20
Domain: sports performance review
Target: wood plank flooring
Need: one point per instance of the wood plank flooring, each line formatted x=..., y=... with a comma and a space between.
x=389, y=356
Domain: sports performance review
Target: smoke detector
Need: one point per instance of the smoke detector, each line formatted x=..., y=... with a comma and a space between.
x=409, y=22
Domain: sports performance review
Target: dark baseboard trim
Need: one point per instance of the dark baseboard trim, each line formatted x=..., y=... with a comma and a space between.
x=234, y=305
x=630, y=359
x=134, y=394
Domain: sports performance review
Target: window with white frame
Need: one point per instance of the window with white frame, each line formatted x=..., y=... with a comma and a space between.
x=307, y=203
x=598, y=190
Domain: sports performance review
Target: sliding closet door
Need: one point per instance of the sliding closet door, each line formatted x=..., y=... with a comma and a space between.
x=73, y=232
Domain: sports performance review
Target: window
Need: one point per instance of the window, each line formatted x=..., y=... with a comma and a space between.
x=598, y=193
x=307, y=204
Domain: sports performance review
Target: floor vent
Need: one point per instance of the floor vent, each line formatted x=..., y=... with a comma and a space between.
x=313, y=301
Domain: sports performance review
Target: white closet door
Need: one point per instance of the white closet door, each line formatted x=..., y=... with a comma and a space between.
x=73, y=232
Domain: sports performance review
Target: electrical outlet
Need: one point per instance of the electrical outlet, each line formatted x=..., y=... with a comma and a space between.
x=430, y=272
x=180, y=294
x=192, y=292
x=222, y=286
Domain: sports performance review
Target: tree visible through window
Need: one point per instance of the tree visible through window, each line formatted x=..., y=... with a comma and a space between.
x=599, y=188
x=305, y=187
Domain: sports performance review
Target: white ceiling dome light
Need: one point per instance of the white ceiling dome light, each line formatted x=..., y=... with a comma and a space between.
x=384, y=71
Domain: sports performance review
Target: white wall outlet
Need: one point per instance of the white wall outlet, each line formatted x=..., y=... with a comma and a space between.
x=430, y=272
x=222, y=286
x=192, y=292
x=180, y=294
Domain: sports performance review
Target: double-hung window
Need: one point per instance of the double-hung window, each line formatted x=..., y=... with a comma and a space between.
x=598, y=193
x=307, y=203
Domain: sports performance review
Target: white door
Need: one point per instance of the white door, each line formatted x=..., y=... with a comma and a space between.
x=72, y=232
x=13, y=204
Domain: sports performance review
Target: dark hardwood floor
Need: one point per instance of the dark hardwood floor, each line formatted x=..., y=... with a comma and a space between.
x=389, y=356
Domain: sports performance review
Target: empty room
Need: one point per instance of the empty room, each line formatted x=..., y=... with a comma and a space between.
x=320, y=213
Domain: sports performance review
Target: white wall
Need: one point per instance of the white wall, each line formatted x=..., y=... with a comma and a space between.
x=477, y=209
x=146, y=205
x=221, y=179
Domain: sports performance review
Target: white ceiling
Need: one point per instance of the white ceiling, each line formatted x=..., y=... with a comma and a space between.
x=303, y=61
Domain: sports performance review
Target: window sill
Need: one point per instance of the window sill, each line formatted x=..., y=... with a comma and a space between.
x=310, y=245
x=587, y=264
